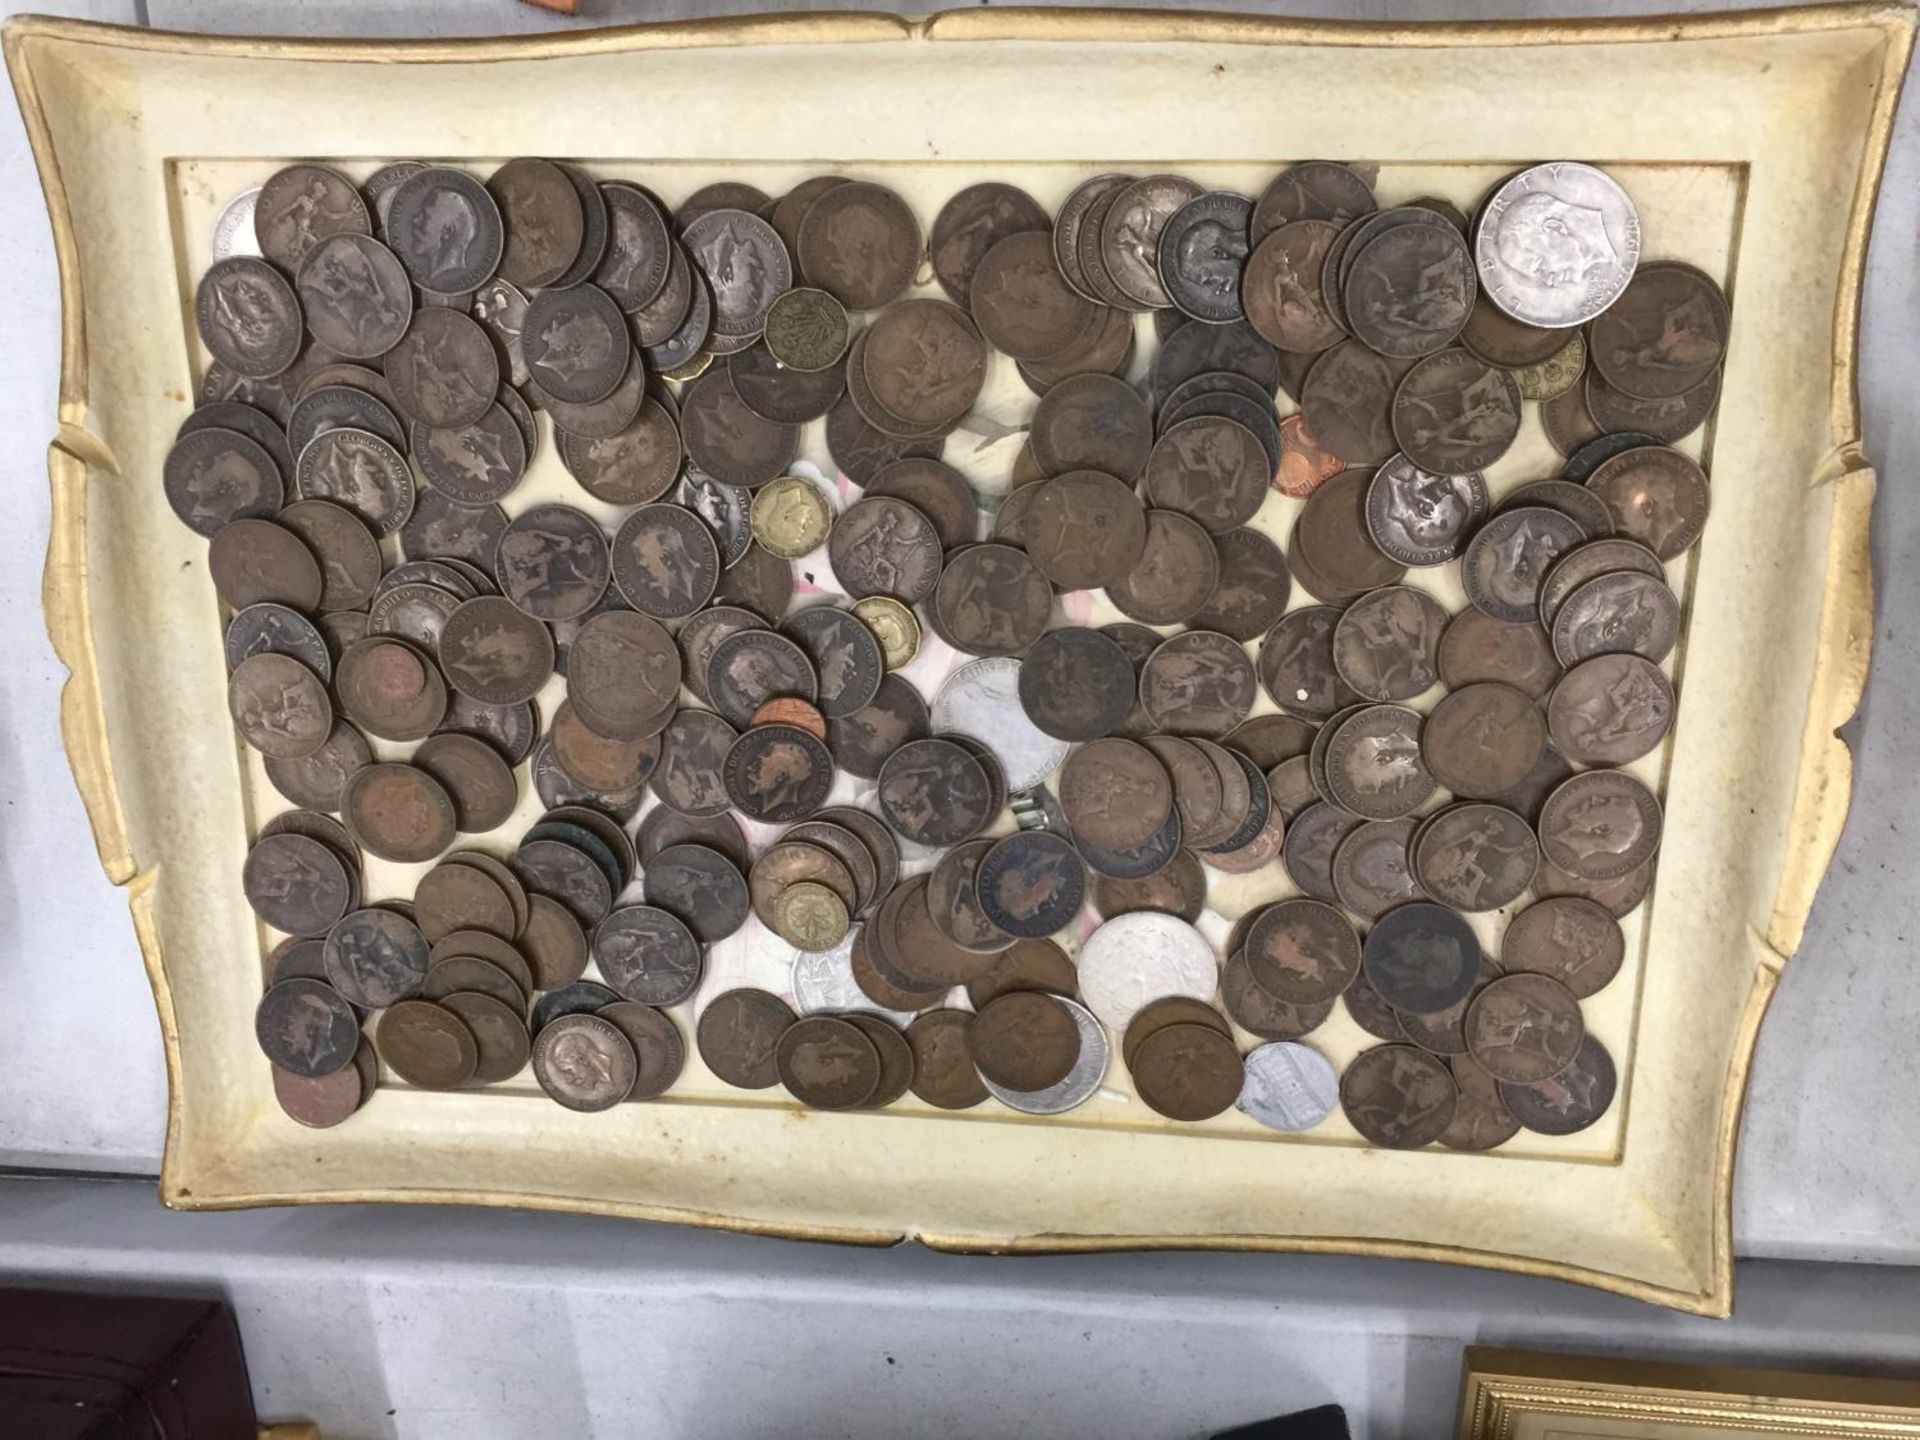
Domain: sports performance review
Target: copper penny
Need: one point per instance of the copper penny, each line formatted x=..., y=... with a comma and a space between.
x=647, y=955
x=659, y=1051
x=1422, y=958
x=953, y=900
x=1507, y=560
x=1348, y=401
x=738, y=1036
x=1024, y=1040
x=399, y=812
x=1656, y=496
x=1332, y=544
x=1476, y=857
x=1115, y=793
x=1187, y=1072
x=1525, y=1028
x=451, y=898
x=584, y=1062
x=1302, y=951
x=934, y=792
x=1261, y=1014
x=427, y=1045
x=862, y=742
x=1601, y=825
x=1568, y=1102
x=1482, y=740
x=1200, y=682
x=477, y=781
x=1672, y=418
x=1444, y=1032
x=1023, y=304
x=1373, y=869
x=494, y=652
x=279, y=706
x=297, y=884
x=1084, y=529
x=972, y=222
x=1374, y=764
x=992, y=600
x=944, y=1073
x=1620, y=613
x=1610, y=710
x=1665, y=335
x=1157, y=1015
x=1590, y=562
x=1026, y=965
x=306, y=1028
x=828, y=1063
x=1575, y=940
x=860, y=243
x=884, y=546
x=1482, y=1121
x=1092, y=422
x=1313, y=839
x=1398, y=1097
x=554, y=942
x=1476, y=647
x=1178, y=889
x=701, y=887
x=1177, y=575
x=1297, y=666
x=777, y=773
x=1386, y=645
x=623, y=675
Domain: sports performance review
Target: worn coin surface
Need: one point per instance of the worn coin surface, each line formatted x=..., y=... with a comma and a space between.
x=1610, y=710
x=860, y=243
x=354, y=293
x=934, y=792
x=1373, y=868
x=297, y=884
x=1422, y=958
x=585, y=1062
x=1476, y=857
x=1024, y=1040
x=1524, y=1028
x=494, y=652
x=279, y=706
x=1187, y=1072
x=1202, y=252
x=778, y=773
x=1115, y=793
x=1178, y=572
x=1656, y=496
x=1031, y=884
x=827, y=1062
x=1077, y=684
x=1617, y=614
x=1398, y=1097
x=376, y=957
x=884, y=546
x=1198, y=683
x=1454, y=414
x=845, y=655
x=647, y=955
x=1478, y=647
x=1408, y=290
x=862, y=742
x=1386, y=645
x=1084, y=529
x=1666, y=334
x=623, y=673
x=992, y=600
x=1557, y=244
x=1601, y=825
x=1483, y=739
x=944, y=1073
x=738, y=1036
x=1092, y=422
x=1575, y=940
x=1022, y=303
x=1507, y=560
x=1568, y=1102
x=1297, y=665
x=447, y=230
x=1374, y=764
x=806, y=330
x=477, y=781
x=301, y=205
x=1302, y=951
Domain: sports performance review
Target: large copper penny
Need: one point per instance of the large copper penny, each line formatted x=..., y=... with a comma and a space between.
x=944, y=1073
x=623, y=674
x=1187, y=1072
x=1590, y=562
x=972, y=222
x=1454, y=414
x=1482, y=740
x=1665, y=335
x=647, y=955
x=1525, y=1028
x=476, y=779
x=279, y=706
x=1610, y=710
x=1254, y=587
x=862, y=741
x=738, y=1036
x=1568, y=1102
x=1476, y=857
x=860, y=243
x=584, y=1062
x=553, y=562
x=828, y=1063
x=1477, y=647
x=702, y=887
x=1297, y=665
x=1601, y=825
x=1092, y=422
x=306, y=1028
x=1575, y=940
x=992, y=600
x=1023, y=304
x=778, y=773
x=934, y=792
x=1024, y=1040
x=1482, y=1122
x=1373, y=869
x=1259, y=1013
x=1212, y=468
x=1302, y=951
x=1657, y=496
x=399, y=812
x=953, y=900
x=1177, y=575
x=1387, y=644
x=1374, y=765
x=376, y=957
x=1422, y=958
x=1621, y=613
x=1198, y=683
x=1348, y=401
x=1084, y=529
x=1398, y=1097
x=1507, y=561
x=1115, y=793
x=884, y=546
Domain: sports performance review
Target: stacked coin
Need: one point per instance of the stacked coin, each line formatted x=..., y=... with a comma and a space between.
x=379, y=355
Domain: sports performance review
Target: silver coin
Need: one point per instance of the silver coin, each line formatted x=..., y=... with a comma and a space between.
x=823, y=982
x=1135, y=959
x=1288, y=1086
x=233, y=229
x=1557, y=244
x=1085, y=1077
x=982, y=700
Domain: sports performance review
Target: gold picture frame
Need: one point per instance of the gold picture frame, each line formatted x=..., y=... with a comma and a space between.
x=1787, y=111
x=1539, y=1395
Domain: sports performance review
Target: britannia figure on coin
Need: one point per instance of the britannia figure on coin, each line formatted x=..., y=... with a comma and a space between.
x=1554, y=241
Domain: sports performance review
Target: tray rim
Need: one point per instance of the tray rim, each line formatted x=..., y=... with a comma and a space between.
x=1844, y=630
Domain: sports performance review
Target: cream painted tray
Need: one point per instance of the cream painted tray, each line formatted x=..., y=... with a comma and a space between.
x=1754, y=145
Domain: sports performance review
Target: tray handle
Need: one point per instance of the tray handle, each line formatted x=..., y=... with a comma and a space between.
x=67, y=602
x=1824, y=785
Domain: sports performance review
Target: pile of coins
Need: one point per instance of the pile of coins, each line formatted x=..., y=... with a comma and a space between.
x=379, y=357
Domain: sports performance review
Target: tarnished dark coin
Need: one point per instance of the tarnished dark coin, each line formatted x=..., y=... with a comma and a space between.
x=280, y=706
x=249, y=317
x=476, y=780
x=1198, y=683
x=585, y=1062
x=845, y=655
x=501, y=308
x=438, y=527
x=1124, y=229
x=1567, y=422
x=1610, y=710
x=828, y=1063
x=776, y=393
x=1586, y=459
x=317, y=781
x=1282, y=287
x=1444, y=1032
x=1657, y=496
x=444, y=372
x=1671, y=419
x=1258, y=838
x=937, y=490
x=1178, y=889
x=446, y=229
x=1398, y=1097
x=1092, y=422
x=1348, y=401
x=598, y=763
x=320, y=1102
x=1666, y=334
x=1482, y=1122
x=1601, y=825
x=549, y=865
x=701, y=887
x=306, y=1028
x=1077, y=684
x=350, y=564
x=493, y=652
x=1031, y=884
x=751, y=667
x=729, y=441
x=553, y=562
x=778, y=773
x=414, y=611
x=355, y=294
x=944, y=1073
x=1202, y=251
x=1408, y=290
x=1079, y=213
x=1107, y=350
x=376, y=957
x=1134, y=862
x=1624, y=612
x=1312, y=190
x=738, y=1036
x=577, y=344
x=254, y=562
x=1483, y=739
x=1302, y=952
x=451, y=898
x=476, y=464
x=634, y=465
x=647, y=955
x=700, y=635
x=862, y=450
x=301, y=205
x=1589, y=562
x=1332, y=553
x=1178, y=572
x=1525, y=1028
x=333, y=407
x=1187, y=1072
x=1575, y=940
x=216, y=476
x=1387, y=644
x=1476, y=857
x=256, y=425
x=1023, y=304
x=1454, y=414
x=862, y=742
x=1259, y=1013
x=918, y=367
x=971, y=223
x=935, y=792
x=1297, y=665
x=693, y=756
x=1507, y=561
x=992, y=600
x=665, y=561
x=1568, y=1102
x=1373, y=868
x=623, y=674
x=760, y=581
x=1197, y=788
x=1290, y=786
x=1211, y=468
x=545, y=223
x=1477, y=647
x=1084, y=529
x=659, y=1052
x=1211, y=349
x=1116, y=794
x=1253, y=589
x=1313, y=839
x=390, y=689
x=1422, y=958
x=398, y=812
x=860, y=243
x=1420, y=518
x=1024, y=1040
x=297, y=884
